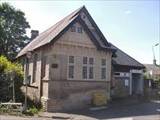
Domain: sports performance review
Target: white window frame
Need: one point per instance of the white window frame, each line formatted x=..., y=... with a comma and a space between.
x=71, y=64
x=88, y=65
x=104, y=66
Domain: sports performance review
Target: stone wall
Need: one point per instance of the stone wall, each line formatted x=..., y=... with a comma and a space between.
x=70, y=94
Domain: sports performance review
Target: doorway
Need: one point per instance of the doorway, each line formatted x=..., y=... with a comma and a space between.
x=136, y=83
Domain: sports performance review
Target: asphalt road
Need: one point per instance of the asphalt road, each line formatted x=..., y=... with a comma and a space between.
x=136, y=111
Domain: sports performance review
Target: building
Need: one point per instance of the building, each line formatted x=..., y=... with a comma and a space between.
x=152, y=71
x=72, y=60
x=127, y=75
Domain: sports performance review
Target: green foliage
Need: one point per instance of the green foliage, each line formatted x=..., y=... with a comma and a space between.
x=8, y=70
x=33, y=110
x=13, y=27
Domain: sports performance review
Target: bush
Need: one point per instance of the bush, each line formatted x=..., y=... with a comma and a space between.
x=8, y=70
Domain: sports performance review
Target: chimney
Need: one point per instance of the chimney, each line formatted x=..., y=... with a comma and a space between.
x=154, y=62
x=34, y=34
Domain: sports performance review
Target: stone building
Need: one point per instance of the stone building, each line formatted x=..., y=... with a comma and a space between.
x=71, y=61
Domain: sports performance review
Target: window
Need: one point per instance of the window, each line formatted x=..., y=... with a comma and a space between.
x=90, y=72
x=71, y=59
x=73, y=29
x=103, y=69
x=71, y=67
x=91, y=61
x=84, y=72
x=79, y=29
x=43, y=69
x=88, y=69
x=103, y=76
x=84, y=60
x=71, y=71
x=34, y=67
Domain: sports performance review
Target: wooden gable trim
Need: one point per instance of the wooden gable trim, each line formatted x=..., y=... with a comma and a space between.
x=104, y=40
x=94, y=40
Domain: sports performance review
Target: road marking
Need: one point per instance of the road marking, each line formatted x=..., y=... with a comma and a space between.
x=126, y=118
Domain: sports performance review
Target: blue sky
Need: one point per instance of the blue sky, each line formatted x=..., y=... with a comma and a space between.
x=133, y=26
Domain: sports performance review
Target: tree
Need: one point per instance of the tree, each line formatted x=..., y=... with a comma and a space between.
x=13, y=27
x=6, y=84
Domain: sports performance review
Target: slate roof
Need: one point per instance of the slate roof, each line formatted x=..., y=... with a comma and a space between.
x=51, y=33
x=124, y=59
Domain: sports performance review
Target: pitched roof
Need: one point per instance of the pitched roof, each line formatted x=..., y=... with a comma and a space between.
x=51, y=33
x=124, y=59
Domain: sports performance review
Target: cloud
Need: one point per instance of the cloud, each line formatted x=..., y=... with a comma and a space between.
x=128, y=12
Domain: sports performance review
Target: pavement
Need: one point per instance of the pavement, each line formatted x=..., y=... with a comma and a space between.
x=117, y=111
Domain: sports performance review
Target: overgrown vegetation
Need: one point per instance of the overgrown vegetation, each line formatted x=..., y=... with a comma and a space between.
x=8, y=70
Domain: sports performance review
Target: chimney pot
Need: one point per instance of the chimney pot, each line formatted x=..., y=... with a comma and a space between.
x=34, y=34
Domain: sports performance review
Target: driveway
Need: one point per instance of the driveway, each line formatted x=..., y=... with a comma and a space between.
x=117, y=111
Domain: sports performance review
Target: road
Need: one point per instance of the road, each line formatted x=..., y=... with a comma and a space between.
x=138, y=111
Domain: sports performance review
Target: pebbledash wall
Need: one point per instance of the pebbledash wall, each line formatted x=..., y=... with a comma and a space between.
x=58, y=91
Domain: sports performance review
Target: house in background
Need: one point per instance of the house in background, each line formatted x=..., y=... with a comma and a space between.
x=152, y=71
x=152, y=75
x=72, y=60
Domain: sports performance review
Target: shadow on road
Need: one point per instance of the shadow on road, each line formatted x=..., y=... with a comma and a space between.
x=120, y=110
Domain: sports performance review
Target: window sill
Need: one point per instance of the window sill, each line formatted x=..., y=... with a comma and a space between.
x=87, y=80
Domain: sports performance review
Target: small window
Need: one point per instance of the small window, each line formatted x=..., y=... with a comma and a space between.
x=103, y=73
x=103, y=68
x=91, y=61
x=90, y=72
x=84, y=60
x=71, y=71
x=84, y=72
x=71, y=59
x=103, y=62
x=71, y=67
x=79, y=29
x=73, y=29
x=43, y=72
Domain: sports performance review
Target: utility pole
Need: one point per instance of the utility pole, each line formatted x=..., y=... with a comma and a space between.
x=27, y=78
x=13, y=86
x=154, y=58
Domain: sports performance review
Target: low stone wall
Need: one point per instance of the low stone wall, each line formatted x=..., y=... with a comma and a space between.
x=32, y=92
x=70, y=94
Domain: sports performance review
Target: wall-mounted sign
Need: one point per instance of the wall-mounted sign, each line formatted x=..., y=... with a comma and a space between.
x=54, y=65
x=126, y=82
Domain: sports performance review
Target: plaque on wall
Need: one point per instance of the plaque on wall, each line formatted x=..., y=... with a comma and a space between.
x=54, y=65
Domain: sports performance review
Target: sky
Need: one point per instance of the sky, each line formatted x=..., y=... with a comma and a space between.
x=133, y=26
